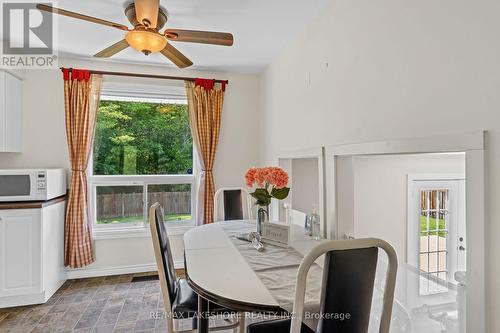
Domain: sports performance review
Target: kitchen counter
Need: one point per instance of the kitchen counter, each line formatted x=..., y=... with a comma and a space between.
x=31, y=204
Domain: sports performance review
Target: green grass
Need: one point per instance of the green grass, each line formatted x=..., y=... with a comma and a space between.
x=432, y=226
x=138, y=219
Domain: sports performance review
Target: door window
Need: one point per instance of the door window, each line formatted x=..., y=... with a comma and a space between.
x=433, y=250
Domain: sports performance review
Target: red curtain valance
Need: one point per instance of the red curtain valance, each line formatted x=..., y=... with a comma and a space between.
x=76, y=74
x=208, y=84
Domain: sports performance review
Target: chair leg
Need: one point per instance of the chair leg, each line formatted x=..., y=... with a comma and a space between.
x=170, y=325
x=242, y=322
x=176, y=325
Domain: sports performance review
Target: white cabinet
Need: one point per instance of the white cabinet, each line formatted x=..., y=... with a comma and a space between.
x=10, y=113
x=18, y=258
x=31, y=254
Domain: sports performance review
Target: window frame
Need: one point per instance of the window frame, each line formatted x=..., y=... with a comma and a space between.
x=153, y=94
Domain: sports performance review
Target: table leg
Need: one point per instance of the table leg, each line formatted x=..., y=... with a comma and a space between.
x=203, y=323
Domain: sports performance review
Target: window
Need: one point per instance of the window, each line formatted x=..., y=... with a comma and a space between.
x=142, y=154
x=433, y=255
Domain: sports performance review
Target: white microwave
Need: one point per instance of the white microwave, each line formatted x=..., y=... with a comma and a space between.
x=32, y=184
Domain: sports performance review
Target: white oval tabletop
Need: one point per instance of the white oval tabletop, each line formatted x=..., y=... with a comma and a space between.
x=218, y=272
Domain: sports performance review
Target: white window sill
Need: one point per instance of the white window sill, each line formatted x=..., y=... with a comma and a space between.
x=136, y=232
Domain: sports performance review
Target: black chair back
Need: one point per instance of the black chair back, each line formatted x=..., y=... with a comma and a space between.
x=233, y=206
x=347, y=289
x=166, y=254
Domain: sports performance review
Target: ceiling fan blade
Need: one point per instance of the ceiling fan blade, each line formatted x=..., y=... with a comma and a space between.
x=204, y=37
x=176, y=56
x=113, y=49
x=81, y=16
x=146, y=12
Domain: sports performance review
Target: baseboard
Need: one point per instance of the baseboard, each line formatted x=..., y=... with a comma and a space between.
x=96, y=272
x=118, y=270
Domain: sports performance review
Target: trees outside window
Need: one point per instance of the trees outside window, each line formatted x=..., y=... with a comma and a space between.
x=137, y=138
x=142, y=154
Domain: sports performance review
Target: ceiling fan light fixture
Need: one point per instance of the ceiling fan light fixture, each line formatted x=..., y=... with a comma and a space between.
x=148, y=18
x=146, y=41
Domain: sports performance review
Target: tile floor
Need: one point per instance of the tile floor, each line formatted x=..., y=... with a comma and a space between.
x=103, y=304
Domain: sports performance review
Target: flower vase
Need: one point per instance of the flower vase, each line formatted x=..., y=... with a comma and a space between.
x=262, y=216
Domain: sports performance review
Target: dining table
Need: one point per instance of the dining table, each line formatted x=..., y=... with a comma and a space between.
x=223, y=269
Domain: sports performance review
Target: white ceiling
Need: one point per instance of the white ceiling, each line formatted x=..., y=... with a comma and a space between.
x=261, y=29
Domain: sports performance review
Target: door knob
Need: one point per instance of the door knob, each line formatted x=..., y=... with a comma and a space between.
x=461, y=248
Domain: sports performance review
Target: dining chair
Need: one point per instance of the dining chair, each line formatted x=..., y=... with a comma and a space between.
x=347, y=289
x=232, y=203
x=180, y=301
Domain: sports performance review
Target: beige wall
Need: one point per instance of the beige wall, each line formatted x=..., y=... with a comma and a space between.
x=44, y=142
x=381, y=70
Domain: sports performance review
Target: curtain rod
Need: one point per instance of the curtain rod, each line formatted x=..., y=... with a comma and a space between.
x=150, y=76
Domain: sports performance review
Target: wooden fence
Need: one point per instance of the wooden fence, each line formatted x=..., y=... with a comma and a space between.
x=130, y=204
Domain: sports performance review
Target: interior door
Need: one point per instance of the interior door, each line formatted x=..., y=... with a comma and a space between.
x=436, y=231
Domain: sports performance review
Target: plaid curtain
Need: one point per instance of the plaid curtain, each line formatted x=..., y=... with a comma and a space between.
x=81, y=99
x=205, y=100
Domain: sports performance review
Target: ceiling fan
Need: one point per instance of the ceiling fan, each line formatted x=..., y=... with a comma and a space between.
x=148, y=18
